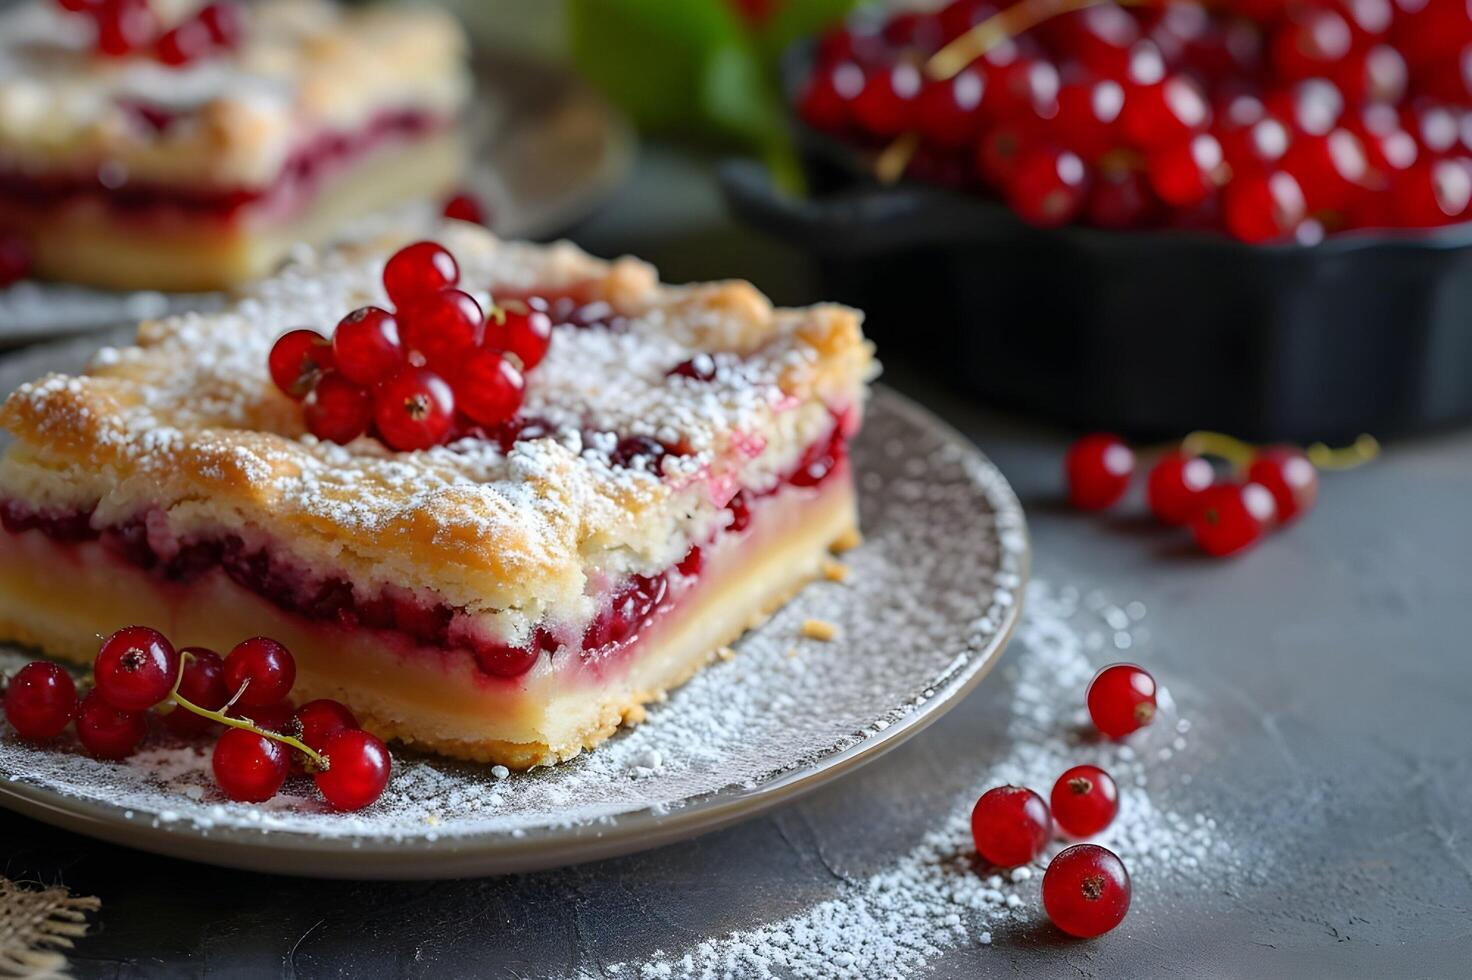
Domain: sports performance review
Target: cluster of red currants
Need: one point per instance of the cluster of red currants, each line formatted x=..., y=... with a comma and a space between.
x=1277, y=485
x=1086, y=889
x=127, y=27
x=408, y=374
x=1271, y=119
x=195, y=691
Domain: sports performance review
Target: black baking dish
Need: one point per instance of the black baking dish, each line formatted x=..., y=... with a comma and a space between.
x=1149, y=332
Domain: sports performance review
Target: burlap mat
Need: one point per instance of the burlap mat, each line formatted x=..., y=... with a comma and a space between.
x=36, y=925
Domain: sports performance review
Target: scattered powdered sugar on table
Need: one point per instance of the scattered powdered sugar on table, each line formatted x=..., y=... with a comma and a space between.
x=931, y=593
x=936, y=898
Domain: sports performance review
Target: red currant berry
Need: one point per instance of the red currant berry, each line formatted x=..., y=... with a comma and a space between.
x=222, y=20
x=1289, y=477
x=522, y=330
x=415, y=409
x=1185, y=174
x=1120, y=198
x=202, y=685
x=1376, y=74
x=1232, y=518
x=298, y=359
x=136, y=668
x=489, y=388
x=1087, y=114
x=465, y=206
x=321, y=719
x=15, y=260
x=1084, y=801
x=1312, y=107
x=105, y=731
x=1175, y=485
x=828, y=101
x=1310, y=43
x=1098, y=468
x=358, y=767
x=1332, y=169
x=337, y=410
x=264, y=668
x=997, y=154
x=366, y=347
x=1011, y=826
x=279, y=717
x=124, y=26
x=1263, y=207
x=250, y=768
x=1121, y=699
x=885, y=107
x=1048, y=187
x=443, y=327
x=701, y=367
x=1256, y=145
x=1086, y=890
x=417, y=271
x=1167, y=112
x=183, y=44
x=946, y=114
x=1432, y=193
x=1388, y=146
x=40, y=701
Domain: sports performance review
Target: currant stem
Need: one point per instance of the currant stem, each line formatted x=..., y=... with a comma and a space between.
x=319, y=760
x=1240, y=454
x=1019, y=18
x=1358, y=453
x=894, y=158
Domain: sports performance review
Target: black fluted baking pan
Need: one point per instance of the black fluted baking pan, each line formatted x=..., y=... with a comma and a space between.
x=1149, y=332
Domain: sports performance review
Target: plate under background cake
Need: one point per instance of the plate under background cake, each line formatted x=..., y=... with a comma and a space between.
x=129, y=173
x=628, y=527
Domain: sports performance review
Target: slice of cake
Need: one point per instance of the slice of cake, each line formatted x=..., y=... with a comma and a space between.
x=176, y=145
x=677, y=471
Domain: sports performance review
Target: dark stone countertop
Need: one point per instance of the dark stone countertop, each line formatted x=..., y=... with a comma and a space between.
x=1330, y=668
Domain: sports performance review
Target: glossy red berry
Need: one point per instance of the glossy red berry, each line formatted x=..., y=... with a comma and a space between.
x=1312, y=41
x=321, y=719
x=489, y=388
x=415, y=409
x=1088, y=112
x=1263, y=207
x=183, y=44
x=107, y=732
x=265, y=669
x=1048, y=187
x=523, y=330
x=701, y=367
x=298, y=359
x=1098, y=468
x=1185, y=174
x=1086, y=890
x=1120, y=198
x=885, y=106
x=279, y=717
x=465, y=206
x=1010, y=826
x=1289, y=476
x=203, y=685
x=442, y=327
x=366, y=347
x=828, y=100
x=358, y=769
x=223, y=22
x=337, y=410
x=1232, y=518
x=136, y=668
x=40, y=701
x=1175, y=486
x=249, y=768
x=1332, y=169
x=1163, y=113
x=1121, y=699
x=124, y=26
x=997, y=154
x=1431, y=193
x=946, y=114
x=417, y=271
x=1084, y=801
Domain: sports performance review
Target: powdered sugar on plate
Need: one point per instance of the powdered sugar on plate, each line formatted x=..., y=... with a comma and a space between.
x=929, y=599
x=937, y=897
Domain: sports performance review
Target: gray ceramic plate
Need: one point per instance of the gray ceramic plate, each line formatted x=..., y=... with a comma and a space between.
x=548, y=150
x=933, y=595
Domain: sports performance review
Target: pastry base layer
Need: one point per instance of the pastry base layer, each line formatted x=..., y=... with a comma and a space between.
x=63, y=598
x=93, y=246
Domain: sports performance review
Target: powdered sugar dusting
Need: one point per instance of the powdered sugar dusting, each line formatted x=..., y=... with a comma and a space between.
x=936, y=898
x=942, y=568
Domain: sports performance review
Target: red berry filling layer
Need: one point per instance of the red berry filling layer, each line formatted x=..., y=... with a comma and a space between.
x=632, y=605
x=314, y=161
